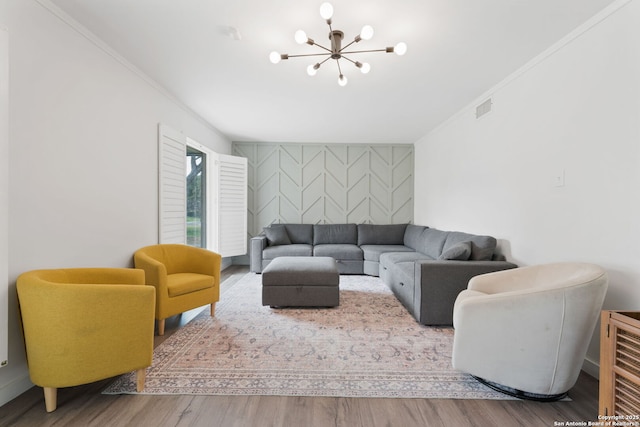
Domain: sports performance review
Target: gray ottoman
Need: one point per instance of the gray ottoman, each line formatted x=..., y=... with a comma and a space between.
x=301, y=282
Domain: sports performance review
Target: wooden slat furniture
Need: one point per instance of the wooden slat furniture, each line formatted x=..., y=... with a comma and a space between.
x=620, y=364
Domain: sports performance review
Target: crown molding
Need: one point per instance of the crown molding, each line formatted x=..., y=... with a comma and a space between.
x=559, y=45
x=100, y=44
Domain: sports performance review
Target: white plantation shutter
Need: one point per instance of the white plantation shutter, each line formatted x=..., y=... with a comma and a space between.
x=230, y=224
x=226, y=197
x=172, y=149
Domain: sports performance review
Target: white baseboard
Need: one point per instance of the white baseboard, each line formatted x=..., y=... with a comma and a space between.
x=15, y=388
x=592, y=368
x=226, y=262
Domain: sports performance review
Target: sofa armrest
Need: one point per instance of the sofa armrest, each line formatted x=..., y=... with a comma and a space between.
x=258, y=243
x=155, y=272
x=438, y=284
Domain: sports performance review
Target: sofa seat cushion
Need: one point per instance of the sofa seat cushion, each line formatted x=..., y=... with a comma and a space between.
x=185, y=283
x=339, y=251
x=373, y=252
x=388, y=259
x=272, y=252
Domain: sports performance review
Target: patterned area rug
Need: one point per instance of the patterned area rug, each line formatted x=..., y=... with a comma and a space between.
x=369, y=346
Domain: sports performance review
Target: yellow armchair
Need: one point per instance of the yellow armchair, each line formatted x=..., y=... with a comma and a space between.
x=85, y=324
x=185, y=277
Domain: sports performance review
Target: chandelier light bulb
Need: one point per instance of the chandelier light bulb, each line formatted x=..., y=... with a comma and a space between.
x=367, y=32
x=400, y=49
x=365, y=68
x=326, y=10
x=312, y=69
x=274, y=57
x=342, y=80
x=301, y=37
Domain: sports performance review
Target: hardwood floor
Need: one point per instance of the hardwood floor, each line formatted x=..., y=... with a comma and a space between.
x=86, y=406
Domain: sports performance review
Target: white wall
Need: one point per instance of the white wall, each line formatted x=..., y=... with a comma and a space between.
x=83, y=169
x=575, y=110
x=4, y=193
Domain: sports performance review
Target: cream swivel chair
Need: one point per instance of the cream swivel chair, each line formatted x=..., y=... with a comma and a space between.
x=525, y=331
x=185, y=277
x=82, y=325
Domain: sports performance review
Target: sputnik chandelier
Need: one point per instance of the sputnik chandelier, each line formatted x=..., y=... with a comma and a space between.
x=336, y=51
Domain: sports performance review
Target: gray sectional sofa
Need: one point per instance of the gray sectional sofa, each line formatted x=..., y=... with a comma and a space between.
x=425, y=268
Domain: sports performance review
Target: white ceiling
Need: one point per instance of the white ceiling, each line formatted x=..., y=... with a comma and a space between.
x=457, y=50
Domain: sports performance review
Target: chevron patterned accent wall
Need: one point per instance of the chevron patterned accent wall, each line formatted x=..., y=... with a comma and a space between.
x=327, y=183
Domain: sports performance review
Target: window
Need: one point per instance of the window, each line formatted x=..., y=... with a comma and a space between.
x=196, y=220
x=202, y=195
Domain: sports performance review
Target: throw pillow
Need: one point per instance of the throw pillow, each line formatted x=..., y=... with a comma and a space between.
x=459, y=252
x=277, y=235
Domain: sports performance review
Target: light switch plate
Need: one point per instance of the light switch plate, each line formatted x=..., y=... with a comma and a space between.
x=558, y=179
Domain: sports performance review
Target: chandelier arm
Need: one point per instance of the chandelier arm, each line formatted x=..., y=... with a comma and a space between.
x=352, y=42
x=310, y=54
x=339, y=69
x=367, y=51
x=349, y=59
x=330, y=27
x=322, y=47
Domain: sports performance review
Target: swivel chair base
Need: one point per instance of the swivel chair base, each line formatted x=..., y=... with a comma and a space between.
x=525, y=395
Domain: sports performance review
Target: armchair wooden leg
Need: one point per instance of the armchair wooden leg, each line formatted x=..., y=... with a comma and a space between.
x=140, y=377
x=213, y=309
x=50, y=398
x=161, y=327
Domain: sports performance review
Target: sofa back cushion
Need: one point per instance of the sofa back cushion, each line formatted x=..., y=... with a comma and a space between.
x=432, y=241
x=458, y=252
x=482, y=247
x=300, y=233
x=412, y=235
x=277, y=235
x=387, y=234
x=324, y=234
